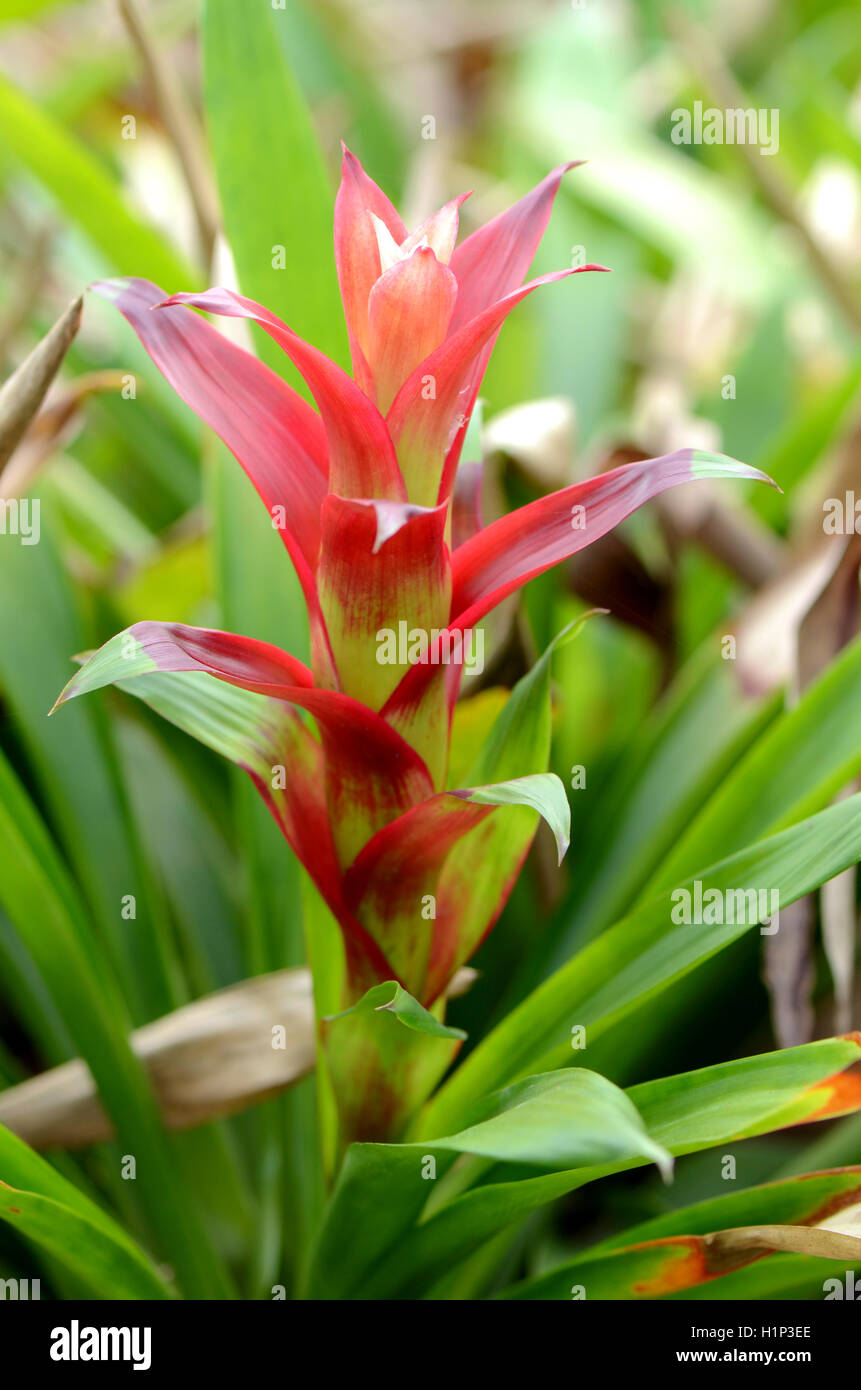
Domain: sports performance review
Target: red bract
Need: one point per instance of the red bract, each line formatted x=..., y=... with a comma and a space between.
x=361, y=490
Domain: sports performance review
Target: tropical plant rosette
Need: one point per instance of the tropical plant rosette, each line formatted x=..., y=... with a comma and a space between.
x=365, y=493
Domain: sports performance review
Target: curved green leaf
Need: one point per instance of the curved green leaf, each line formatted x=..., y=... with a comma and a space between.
x=640, y=956
x=668, y=1255
x=685, y=1113
x=44, y=1207
x=557, y=1121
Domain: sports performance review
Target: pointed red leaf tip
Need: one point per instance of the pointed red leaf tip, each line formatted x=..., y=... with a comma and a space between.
x=362, y=460
x=494, y=259
x=274, y=434
x=357, y=255
x=427, y=433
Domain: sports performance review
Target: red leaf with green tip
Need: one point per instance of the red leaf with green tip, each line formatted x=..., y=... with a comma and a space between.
x=385, y=1055
x=149, y=646
x=513, y=550
x=371, y=774
x=505, y=555
x=409, y=863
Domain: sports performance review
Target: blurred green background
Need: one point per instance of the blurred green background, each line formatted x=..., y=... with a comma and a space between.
x=730, y=321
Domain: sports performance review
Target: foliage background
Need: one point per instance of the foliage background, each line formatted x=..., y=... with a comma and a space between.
x=722, y=266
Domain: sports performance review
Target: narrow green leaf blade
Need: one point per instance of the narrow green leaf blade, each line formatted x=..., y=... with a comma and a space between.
x=684, y=1113
x=40, y=1204
x=641, y=956
x=556, y=1121
x=794, y=769
x=263, y=141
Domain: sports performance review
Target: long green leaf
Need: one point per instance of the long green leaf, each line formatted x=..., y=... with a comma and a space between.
x=44, y=1207
x=798, y=765
x=75, y=767
x=41, y=900
x=275, y=192
x=640, y=956
x=685, y=1113
x=693, y=741
x=668, y=1255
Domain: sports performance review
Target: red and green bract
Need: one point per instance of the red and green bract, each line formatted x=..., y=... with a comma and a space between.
x=362, y=490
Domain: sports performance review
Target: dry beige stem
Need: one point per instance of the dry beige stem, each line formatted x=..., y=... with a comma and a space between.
x=53, y=427
x=23, y=393
x=212, y=1058
x=180, y=124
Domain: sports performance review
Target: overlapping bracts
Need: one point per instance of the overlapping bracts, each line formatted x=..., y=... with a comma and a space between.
x=363, y=490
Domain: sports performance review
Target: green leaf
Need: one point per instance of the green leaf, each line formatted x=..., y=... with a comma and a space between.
x=74, y=765
x=640, y=956
x=753, y=1095
x=667, y=1255
x=685, y=1113
x=275, y=193
x=392, y=998
x=186, y=845
x=41, y=900
x=542, y=792
x=562, y=1120
x=533, y=1121
x=44, y=1207
x=519, y=741
x=806, y=757
x=239, y=724
x=692, y=742
x=384, y=1057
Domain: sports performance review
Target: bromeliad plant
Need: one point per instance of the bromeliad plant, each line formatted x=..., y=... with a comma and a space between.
x=364, y=491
